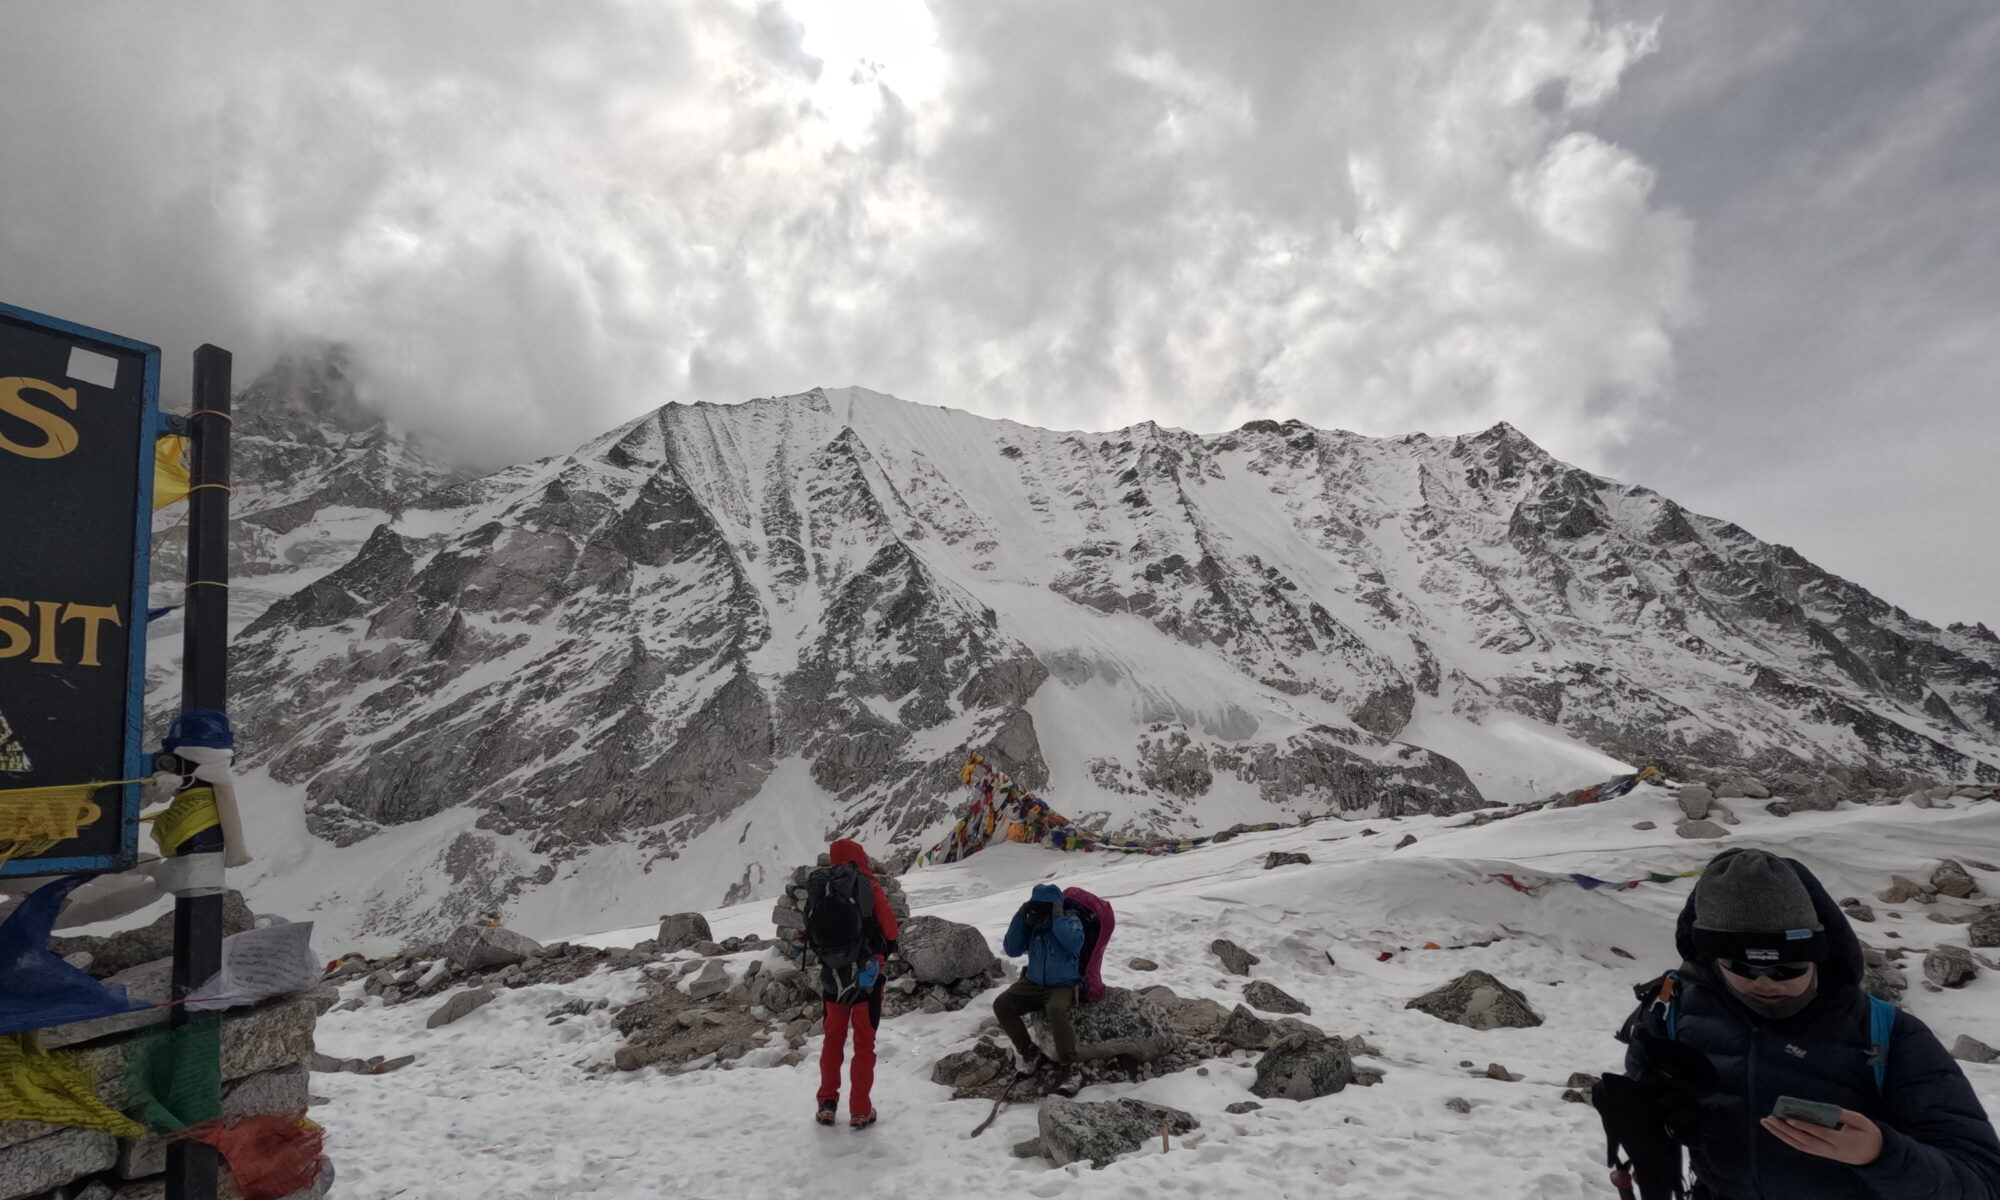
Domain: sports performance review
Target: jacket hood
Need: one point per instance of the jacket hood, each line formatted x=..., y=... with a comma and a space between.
x=1047, y=893
x=848, y=851
x=1843, y=966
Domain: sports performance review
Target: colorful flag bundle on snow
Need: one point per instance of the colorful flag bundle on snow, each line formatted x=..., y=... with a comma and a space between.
x=1004, y=811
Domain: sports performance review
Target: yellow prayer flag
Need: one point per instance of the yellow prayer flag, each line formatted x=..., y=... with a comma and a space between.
x=53, y=1088
x=170, y=471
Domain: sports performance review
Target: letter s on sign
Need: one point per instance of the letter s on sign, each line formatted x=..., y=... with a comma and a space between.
x=59, y=436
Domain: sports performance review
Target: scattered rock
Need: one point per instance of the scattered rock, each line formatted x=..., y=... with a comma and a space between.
x=460, y=1004
x=1623, y=953
x=1576, y=1096
x=481, y=947
x=1476, y=1000
x=1862, y=913
x=1745, y=786
x=1199, y=1017
x=941, y=951
x=1459, y=1104
x=1582, y=1079
x=1985, y=929
x=1950, y=966
x=1303, y=1067
x=1640, y=825
x=678, y=931
x=1700, y=829
x=982, y=1064
x=1954, y=880
x=1098, y=1132
x=1501, y=1073
x=1268, y=997
x=1409, y=839
x=1367, y=1076
x=712, y=980
x=1235, y=959
x=1778, y=808
x=1900, y=891
x=1242, y=1106
x=1032, y=1148
x=1143, y=964
x=1970, y=1049
x=1245, y=1029
x=1285, y=858
x=1695, y=801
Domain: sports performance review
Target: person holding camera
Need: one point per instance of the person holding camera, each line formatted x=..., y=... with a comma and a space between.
x=1052, y=938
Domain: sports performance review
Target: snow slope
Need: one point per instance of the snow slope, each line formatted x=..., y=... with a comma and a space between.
x=500, y=1104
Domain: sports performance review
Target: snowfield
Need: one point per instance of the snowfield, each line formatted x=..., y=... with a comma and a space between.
x=505, y=1104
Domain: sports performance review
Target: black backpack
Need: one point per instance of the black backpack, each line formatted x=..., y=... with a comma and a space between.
x=839, y=906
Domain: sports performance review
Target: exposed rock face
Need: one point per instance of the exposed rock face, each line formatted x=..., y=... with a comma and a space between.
x=1096, y=1133
x=1478, y=1001
x=621, y=644
x=1303, y=1067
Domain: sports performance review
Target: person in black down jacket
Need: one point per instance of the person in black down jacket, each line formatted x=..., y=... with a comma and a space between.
x=1770, y=993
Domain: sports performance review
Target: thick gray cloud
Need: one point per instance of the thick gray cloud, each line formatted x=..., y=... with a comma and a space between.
x=537, y=220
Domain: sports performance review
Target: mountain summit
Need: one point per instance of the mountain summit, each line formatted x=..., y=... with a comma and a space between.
x=662, y=668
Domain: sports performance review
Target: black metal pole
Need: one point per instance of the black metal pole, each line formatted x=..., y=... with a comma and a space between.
x=192, y=1166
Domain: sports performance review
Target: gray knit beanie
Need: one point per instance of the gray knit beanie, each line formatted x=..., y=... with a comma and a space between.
x=1750, y=905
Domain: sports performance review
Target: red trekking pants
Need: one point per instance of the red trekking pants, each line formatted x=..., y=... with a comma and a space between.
x=862, y=1017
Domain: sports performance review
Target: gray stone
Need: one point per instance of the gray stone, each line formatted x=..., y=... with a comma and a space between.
x=1459, y=1104
x=1862, y=913
x=46, y=1162
x=1700, y=829
x=1098, y=1132
x=1952, y=879
x=1950, y=966
x=1032, y=1148
x=1285, y=858
x=1476, y=1000
x=1200, y=1018
x=480, y=947
x=1245, y=1029
x=1643, y=825
x=1235, y=959
x=678, y=931
x=1695, y=801
x=1885, y=981
x=941, y=951
x=1970, y=1049
x=1143, y=964
x=712, y=980
x=1123, y=1023
x=983, y=1063
x=1900, y=891
x=1242, y=1106
x=1303, y=1067
x=1501, y=1073
x=1268, y=997
x=1985, y=930
x=122, y=951
x=460, y=1005
x=1409, y=839
x=1778, y=808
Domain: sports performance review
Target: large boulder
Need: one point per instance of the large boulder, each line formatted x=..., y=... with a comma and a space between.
x=1695, y=801
x=678, y=931
x=1123, y=1024
x=1476, y=1000
x=481, y=947
x=1096, y=1133
x=982, y=1064
x=1199, y=1018
x=1303, y=1067
x=941, y=951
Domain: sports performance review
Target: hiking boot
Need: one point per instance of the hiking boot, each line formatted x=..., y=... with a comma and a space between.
x=1034, y=1062
x=829, y=1110
x=1067, y=1080
x=861, y=1120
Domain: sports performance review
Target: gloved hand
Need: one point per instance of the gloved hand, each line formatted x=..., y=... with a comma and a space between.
x=870, y=972
x=1036, y=915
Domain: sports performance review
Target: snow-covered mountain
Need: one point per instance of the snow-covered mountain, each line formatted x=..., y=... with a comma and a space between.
x=660, y=670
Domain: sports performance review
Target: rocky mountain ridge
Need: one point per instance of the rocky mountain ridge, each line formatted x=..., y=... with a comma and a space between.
x=684, y=653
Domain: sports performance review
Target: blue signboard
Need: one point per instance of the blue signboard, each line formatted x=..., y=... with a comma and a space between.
x=79, y=412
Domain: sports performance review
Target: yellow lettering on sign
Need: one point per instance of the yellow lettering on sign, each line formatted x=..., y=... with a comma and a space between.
x=38, y=633
x=59, y=436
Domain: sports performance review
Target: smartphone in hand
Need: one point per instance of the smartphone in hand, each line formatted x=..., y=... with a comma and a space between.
x=1812, y=1112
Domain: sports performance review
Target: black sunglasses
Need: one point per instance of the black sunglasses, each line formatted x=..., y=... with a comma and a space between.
x=1782, y=972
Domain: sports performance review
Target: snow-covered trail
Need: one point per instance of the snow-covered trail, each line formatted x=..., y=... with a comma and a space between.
x=500, y=1104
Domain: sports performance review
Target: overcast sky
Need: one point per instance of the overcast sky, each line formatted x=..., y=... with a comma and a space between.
x=1746, y=254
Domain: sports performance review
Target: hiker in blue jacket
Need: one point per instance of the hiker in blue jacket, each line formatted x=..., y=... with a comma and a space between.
x=1052, y=938
x=1769, y=1000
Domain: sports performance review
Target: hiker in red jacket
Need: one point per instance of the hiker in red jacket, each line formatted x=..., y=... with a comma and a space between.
x=852, y=929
